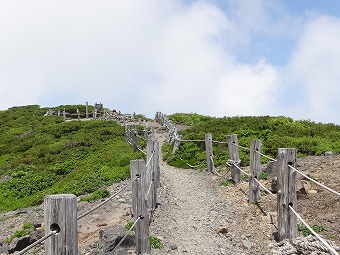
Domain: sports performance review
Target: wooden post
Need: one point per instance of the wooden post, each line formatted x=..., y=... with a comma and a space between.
x=78, y=113
x=135, y=139
x=87, y=110
x=177, y=143
x=150, y=173
x=234, y=157
x=58, y=113
x=255, y=170
x=209, y=152
x=127, y=133
x=61, y=216
x=156, y=165
x=139, y=207
x=64, y=114
x=286, y=195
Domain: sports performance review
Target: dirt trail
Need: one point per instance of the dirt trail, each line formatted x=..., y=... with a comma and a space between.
x=190, y=212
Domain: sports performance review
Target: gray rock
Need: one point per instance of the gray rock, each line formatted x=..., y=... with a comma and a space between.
x=247, y=244
x=173, y=246
x=329, y=153
x=111, y=236
x=20, y=243
x=272, y=168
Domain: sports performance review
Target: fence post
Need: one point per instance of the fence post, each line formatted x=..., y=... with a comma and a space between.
x=64, y=114
x=127, y=133
x=135, y=139
x=255, y=169
x=151, y=191
x=78, y=114
x=61, y=216
x=139, y=207
x=209, y=152
x=87, y=110
x=156, y=165
x=286, y=195
x=177, y=143
x=234, y=157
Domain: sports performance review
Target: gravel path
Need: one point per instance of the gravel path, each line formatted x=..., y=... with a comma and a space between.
x=190, y=213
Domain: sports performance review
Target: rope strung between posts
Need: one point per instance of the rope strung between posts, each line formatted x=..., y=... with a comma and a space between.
x=102, y=203
x=192, y=165
x=217, y=173
x=153, y=153
x=147, y=194
x=242, y=147
x=127, y=233
x=267, y=190
x=219, y=142
x=234, y=164
x=141, y=150
x=181, y=140
x=272, y=159
x=311, y=246
x=141, y=137
x=312, y=180
x=37, y=242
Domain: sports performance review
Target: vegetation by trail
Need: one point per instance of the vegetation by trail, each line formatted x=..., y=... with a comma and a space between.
x=45, y=155
x=308, y=137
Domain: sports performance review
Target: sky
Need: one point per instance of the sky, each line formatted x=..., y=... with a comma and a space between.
x=212, y=57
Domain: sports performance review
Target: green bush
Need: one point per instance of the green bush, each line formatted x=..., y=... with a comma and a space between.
x=155, y=243
x=97, y=195
x=27, y=229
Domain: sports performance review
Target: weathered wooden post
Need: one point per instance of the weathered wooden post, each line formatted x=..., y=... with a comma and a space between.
x=209, y=152
x=87, y=110
x=135, y=139
x=150, y=173
x=286, y=195
x=139, y=207
x=255, y=170
x=234, y=157
x=127, y=133
x=58, y=113
x=61, y=216
x=78, y=114
x=64, y=114
x=156, y=166
x=177, y=143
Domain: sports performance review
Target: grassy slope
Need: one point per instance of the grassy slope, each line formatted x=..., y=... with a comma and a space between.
x=45, y=155
x=308, y=137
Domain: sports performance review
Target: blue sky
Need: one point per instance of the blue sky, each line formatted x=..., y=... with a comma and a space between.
x=214, y=57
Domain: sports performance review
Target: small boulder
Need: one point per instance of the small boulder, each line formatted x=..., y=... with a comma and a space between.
x=111, y=236
x=221, y=230
x=20, y=243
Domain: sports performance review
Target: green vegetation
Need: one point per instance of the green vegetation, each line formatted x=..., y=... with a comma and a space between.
x=27, y=229
x=306, y=232
x=98, y=194
x=129, y=224
x=308, y=137
x=155, y=243
x=45, y=155
x=226, y=182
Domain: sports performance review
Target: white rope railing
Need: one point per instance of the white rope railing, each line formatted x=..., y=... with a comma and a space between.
x=37, y=242
x=331, y=249
x=316, y=182
x=264, y=187
x=272, y=159
x=153, y=153
x=239, y=168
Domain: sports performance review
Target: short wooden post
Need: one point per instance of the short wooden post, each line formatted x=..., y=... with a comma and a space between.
x=58, y=113
x=255, y=170
x=209, y=152
x=177, y=143
x=139, y=207
x=234, y=157
x=61, y=216
x=64, y=114
x=127, y=133
x=87, y=110
x=286, y=195
x=135, y=139
x=78, y=114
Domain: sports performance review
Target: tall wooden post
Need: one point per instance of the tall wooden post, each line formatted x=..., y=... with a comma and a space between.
x=234, y=157
x=150, y=173
x=61, y=216
x=64, y=114
x=286, y=195
x=156, y=165
x=209, y=152
x=78, y=114
x=135, y=139
x=139, y=207
x=255, y=170
x=87, y=110
x=177, y=143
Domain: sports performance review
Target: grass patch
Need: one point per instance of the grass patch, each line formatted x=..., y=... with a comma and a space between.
x=97, y=195
x=27, y=229
x=306, y=232
x=226, y=183
x=155, y=243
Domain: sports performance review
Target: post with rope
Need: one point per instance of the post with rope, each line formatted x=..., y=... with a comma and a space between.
x=255, y=170
x=178, y=139
x=64, y=114
x=151, y=191
x=61, y=217
x=286, y=195
x=87, y=110
x=209, y=152
x=78, y=114
x=135, y=139
x=139, y=206
x=127, y=133
x=234, y=157
x=156, y=166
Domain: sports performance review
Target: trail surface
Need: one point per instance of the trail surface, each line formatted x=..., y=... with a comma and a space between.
x=190, y=213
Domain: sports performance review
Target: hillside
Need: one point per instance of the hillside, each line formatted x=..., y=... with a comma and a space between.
x=41, y=155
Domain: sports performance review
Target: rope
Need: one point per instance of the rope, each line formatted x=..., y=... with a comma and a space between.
x=150, y=158
x=272, y=159
x=233, y=163
x=141, y=137
x=267, y=190
x=328, y=246
x=191, y=140
x=242, y=147
x=147, y=194
x=217, y=173
x=192, y=165
x=219, y=142
x=318, y=183
x=102, y=203
x=127, y=233
x=37, y=242
x=141, y=150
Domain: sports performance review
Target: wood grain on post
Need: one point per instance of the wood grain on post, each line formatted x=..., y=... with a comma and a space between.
x=135, y=139
x=209, y=152
x=150, y=173
x=139, y=207
x=61, y=215
x=286, y=195
x=255, y=170
x=156, y=165
x=234, y=157
x=177, y=143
